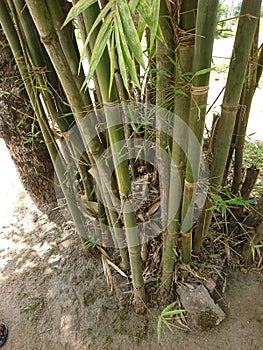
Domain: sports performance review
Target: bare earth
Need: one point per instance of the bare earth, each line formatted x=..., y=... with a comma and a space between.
x=53, y=295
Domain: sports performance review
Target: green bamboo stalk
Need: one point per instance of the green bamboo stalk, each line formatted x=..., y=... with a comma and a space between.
x=183, y=64
x=58, y=162
x=39, y=58
x=247, y=95
x=51, y=42
x=165, y=73
x=40, y=61
x=188, y=16
x=205, y=30
x=247, y=24
x=69, y=47
x=116, y=138
x=83, y=31
x=103, y=68
x=49, y=38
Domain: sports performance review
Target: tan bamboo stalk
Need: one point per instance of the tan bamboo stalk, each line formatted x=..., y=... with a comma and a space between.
x=247, y=24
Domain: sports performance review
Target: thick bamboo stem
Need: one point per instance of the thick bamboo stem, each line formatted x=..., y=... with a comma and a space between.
x=205, y=29
x=238, y=67
x=243, y=114
x=165, y=73
x=184, y=60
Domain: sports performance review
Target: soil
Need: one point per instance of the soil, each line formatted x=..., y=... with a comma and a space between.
x=54, y=295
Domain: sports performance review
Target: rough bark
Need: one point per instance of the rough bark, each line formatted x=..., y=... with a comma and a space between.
x=31, y=159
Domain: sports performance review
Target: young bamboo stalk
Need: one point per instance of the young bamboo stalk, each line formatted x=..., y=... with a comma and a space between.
x=205, y=30
x=249, y=14
x=103, y=68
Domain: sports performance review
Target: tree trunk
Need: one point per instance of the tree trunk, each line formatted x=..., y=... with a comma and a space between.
x=20, y=131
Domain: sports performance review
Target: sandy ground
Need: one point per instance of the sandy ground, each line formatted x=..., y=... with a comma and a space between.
x=53, y=295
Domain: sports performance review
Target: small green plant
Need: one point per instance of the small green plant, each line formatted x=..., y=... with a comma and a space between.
x=223, y=203
x=90, y=244
x=34, y=306
x=167, y=315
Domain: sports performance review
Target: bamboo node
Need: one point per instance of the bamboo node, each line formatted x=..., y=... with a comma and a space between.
x=65, y=134
x=230, y=108
x=190, y=184
x=199, y=90
x=110, y=104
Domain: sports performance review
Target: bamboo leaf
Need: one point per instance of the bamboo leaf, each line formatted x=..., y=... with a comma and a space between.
x=167, y=325
x=168, y=308
x=99, y=46
x=126, y=53
x=145, y=11
x=100, y=17
x=112, y=61
x=180, y=92
x=130, y=31
x=121, y=58
x=132, y=5
x=203, y=72
x=174, y=312
x=77, y=9
x=141, y=27
x=146, y=16
x=155, y=20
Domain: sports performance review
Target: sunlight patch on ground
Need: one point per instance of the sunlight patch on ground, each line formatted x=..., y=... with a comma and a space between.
x=10, y=185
